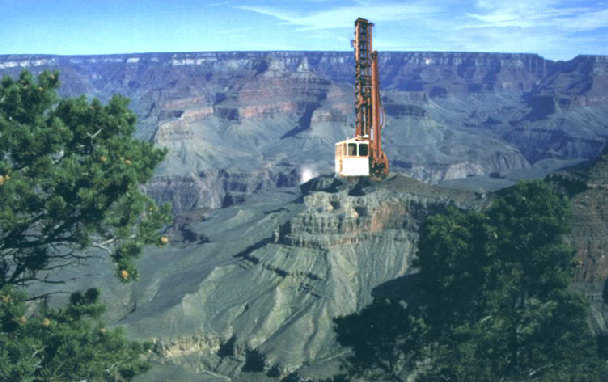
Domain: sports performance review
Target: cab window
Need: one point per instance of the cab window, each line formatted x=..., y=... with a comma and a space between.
x=352, y=149
x=363, y=150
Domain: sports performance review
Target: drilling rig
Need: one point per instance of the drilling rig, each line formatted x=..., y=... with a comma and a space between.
x=363, y=155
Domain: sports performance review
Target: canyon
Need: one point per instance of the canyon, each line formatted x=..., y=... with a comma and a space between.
x=237, y=123
x=267, y=246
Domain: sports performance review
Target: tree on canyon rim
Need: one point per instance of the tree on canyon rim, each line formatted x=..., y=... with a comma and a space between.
x=70, y=177
x=494, y=303
x=70, y=173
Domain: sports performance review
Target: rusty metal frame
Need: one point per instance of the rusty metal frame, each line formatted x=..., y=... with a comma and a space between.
x=369, y=118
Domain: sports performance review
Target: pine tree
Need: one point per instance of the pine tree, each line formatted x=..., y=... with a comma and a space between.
x=381, y=337
x=496, y=304
x=70, y=180
x=70, y=176
x=68, y=344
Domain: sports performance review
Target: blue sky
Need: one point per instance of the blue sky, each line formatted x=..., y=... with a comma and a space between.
x=555, y=29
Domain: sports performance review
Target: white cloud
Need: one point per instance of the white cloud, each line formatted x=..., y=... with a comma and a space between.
x=559, y=15
x=344, y=16
x=556, y=29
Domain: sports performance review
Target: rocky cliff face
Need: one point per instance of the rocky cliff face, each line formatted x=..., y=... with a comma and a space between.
x=237, y=123
x=589, y=235
x=257, y=270
x=274, y=270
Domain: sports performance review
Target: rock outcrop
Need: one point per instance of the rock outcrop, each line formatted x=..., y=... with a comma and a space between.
x=259, y=269
x=237, y=123
x=589, y=235
x=272, y=274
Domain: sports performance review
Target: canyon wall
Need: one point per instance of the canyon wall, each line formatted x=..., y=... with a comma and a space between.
x=258, y=267
x=237, y=123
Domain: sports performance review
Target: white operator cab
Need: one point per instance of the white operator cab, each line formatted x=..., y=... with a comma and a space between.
x=352, y=157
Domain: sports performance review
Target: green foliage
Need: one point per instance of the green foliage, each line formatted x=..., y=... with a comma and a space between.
x=380, y=336
x=336, y=378
x=254, y=361
x=68, y=344
x=70, y=177
x=602, y=346
x=496, y=304
x=567, y=184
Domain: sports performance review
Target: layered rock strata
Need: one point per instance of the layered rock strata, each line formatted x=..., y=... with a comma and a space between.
x=271, y=276
x=449, y=116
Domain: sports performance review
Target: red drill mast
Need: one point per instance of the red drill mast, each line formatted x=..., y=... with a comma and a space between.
x=369, y=117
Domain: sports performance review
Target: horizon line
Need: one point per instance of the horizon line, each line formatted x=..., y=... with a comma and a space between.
x=285, y=51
